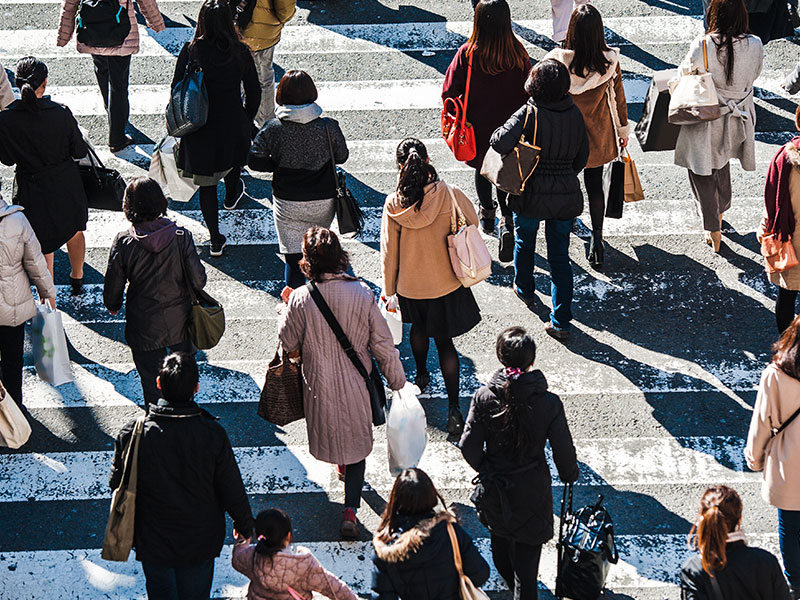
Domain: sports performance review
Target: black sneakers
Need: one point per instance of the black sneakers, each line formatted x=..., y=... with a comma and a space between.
x=217, y=246
x=232, y=200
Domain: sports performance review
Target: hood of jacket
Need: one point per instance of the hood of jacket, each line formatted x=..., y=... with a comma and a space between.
x=793, y=152
x=154, y=236
x=559, y=106
x=436, y=194
x=8, y=209
x=415, y=543
x=579, y=85
x=529, y=383
x=298, y=113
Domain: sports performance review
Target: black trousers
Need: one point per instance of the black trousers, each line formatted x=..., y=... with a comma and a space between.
x=11, y=343
x=593, y=180
x=148, y=363
x=353, y=482
x=484, y=188
x=112, y=73
x=518, y=564
x=784, y=308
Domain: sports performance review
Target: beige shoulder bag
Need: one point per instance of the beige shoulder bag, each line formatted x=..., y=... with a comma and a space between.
x=467, y=589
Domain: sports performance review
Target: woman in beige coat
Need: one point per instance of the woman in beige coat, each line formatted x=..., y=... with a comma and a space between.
x=335, y=398
x=778, y=454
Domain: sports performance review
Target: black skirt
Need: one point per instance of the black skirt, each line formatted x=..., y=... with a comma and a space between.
x=446, y=317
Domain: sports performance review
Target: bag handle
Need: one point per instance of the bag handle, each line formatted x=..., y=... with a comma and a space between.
x=130, y=470
x=333, y=160
x=785, y=424
x=705, y=54
x=189, y=286
x=466, y=90
x=457, y=218
x=451, y=531
x=715, y=587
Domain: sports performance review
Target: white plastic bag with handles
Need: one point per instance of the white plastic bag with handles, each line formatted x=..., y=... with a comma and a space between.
x=164, y=170
x=50, y=354
x=406, y=433
x=390, y=310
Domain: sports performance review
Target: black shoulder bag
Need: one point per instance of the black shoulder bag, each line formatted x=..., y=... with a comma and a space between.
x=377, y=393
x=104, y=188
x=348, y=213
x=785, y=424
x=187, y=110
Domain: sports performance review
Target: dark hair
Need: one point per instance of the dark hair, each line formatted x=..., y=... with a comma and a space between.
x=516, y=349
x=787, y=349
x=493, y=41
x=548, y=81
x=31, y=74
x=413, y=493
x=415, y=172
x=729, y=19
x=272, y=526
x=797, y=118
x=720, y=514
x=295, y=88
x=586, y=38
x=178, y=377
x=144, y=200
x=322, y=253
x=215, y=26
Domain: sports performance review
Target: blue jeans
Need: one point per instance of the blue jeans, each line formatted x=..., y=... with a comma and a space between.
x=789, y=538
x=179, y=583
x=556, y=233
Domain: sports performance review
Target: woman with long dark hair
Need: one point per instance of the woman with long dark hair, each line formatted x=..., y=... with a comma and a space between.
x=416, y=266
x=511, y=420
x=726, y=567
x=596, y=88
x=413, y=554
x=500, y=65
x=706, y=149
x=218, y=150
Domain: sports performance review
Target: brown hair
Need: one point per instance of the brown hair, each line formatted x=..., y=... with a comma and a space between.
x=729, y=19
x=144, y=200
x=322, y=253
x=296, y=87
x=493, y=41
x=797, y=118
x=586, y=38
x=787, y=350
x=413, y=493
x=720, y=514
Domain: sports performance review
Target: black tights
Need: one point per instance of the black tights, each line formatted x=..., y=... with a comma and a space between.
x=353, y=482
x=784, y=308
x=292, y=275
x=518, y=564
x=593, y=180
x=209, y=205
x=448, y=360
x=484, y=189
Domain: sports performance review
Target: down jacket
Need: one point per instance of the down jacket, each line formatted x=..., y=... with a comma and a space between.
x=266, y=22
x=21, y=262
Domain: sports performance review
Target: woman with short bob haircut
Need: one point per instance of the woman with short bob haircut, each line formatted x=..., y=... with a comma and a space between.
x=412, y=552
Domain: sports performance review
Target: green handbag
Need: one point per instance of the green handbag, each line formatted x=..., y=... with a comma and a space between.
x=207, y=319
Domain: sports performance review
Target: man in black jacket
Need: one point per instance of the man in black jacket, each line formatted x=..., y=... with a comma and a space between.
x=187, y=480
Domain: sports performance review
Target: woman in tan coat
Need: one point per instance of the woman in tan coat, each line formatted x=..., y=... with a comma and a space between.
x=416, y=267
x=335, y=398
x=596, y=88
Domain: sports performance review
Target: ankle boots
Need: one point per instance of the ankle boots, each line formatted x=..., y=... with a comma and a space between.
x=596, y=249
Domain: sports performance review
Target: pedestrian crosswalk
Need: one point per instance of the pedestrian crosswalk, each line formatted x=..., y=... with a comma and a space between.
x=658, y=379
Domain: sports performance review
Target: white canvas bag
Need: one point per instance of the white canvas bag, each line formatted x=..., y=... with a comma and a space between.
x=694, y=97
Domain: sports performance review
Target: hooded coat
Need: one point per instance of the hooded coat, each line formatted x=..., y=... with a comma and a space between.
x=266, y=22
x=416, y=261
x=518, y=500
x=418, y=564
x=147, y=257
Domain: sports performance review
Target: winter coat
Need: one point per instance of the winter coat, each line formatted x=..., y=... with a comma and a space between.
x=779, y=458
x=337, y=408
x=6, y=92
x=147, y=257
x=792, y=82
x=492, y=98
x=294, y=146
x=21, y=263
x=553, y=191
x=789, y=279
x=188, y=480
x=267, y=21
x=149, y=8
x=224, y=141
x=43, y=143
x=295, y=567
x=710, y=145
x=418, y=563
x=416, y=261
x=518, y=500
x=601, y=100
x=751, y=574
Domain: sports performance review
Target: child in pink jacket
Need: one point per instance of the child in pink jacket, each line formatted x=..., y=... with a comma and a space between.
x=274, y=565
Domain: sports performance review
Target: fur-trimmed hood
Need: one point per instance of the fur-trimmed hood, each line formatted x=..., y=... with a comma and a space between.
x=579, y=85
x=408, y=545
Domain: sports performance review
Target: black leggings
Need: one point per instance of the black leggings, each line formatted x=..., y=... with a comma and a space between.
x=784, y=308
x=448, y=360
x=292, y=275
x=593, y=180
x=484, y=189
x=518, y=564
x=353, y=482
x=209, y=205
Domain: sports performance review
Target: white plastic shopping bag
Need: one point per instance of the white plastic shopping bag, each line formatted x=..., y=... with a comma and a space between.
x=50, y=354
x=390, y=310
x=165, y=171
x=14, y=427
x=406, y=433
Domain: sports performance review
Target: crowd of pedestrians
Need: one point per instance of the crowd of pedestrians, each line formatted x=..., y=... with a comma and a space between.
x=580, y=108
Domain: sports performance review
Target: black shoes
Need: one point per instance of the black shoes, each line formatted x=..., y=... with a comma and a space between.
x=217, y=246
x=596, y=249
x=422, y=380
x=487, y=219
x=528, y=300
x=233, y=197
x=455, y=421
x=77, y=285
x=120, y=147
x=506, y=251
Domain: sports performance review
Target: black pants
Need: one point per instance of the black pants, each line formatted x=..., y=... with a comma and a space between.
x=148, y=363
x=209, y=204
x=353, y=482
x=518, y=564
x=11, y=342
x=593, y=180
x=484, y=189
x=292, y=275
x=784, y=308
x=179, y=583
x=112, y=73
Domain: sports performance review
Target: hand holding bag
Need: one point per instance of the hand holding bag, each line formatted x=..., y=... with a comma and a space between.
x=511, y=172
x=14, y=427
x=469, y=255
x=187, y=110
x=50, y=354
x=281, y=400
x=104, y=188
x=457, y=132
x=633, y=186
x=349, y=216
x=778, y=255
x=694, y=97
x=467, y=589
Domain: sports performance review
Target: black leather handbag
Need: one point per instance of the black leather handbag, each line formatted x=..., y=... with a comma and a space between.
x=187, y=110
x=103, y=23
x=349, y=216
x=104, y=188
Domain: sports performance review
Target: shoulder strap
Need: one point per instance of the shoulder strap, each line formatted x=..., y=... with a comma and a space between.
x=130, y=470
x=189, y=286
x=456, y=550
x=457, y=219
x=715, y=587
x=466, y=90
x=341, y=336
x=333, y=159
x=786, y=423
x=705, y=54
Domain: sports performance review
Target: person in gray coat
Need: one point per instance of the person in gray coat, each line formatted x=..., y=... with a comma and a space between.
x=6, y=93
x=792, y=82
x=706, y=149
x=21, y=263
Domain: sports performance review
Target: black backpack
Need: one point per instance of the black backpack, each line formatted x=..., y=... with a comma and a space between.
x=103, y=23
x=586, y=549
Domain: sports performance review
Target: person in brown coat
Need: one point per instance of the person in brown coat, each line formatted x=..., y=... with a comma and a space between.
x=596, y=88
x=335, y=399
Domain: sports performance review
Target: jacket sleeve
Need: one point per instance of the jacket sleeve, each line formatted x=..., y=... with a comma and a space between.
x=455, y=79
x=390, y=251
x=152, y=15
x=78, y=148
x=284, y=10
x=252, y=87
x=242, y=559
x=580, y=160
x=293, y=327
x=622, y=105
x=115, y=278
x=194, y=266
x=340, y=151
x=381, y=582
x=563, y=449
x=792, y=83
x=466, y=206
x=474, y=437
x=66, y=25
x=6, y=93
x=34, y=263
x=230, y=489
x=507, y=135
x=382, y=347
x=694, y=57
x=260, y=158
x=691, y=588
x=761, y=423
x=475, y=566
x=180, y=66
x=117, y=463
x=326, y=583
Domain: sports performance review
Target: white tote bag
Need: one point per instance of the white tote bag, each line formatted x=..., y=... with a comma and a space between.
x=694, y=97
x=391, y=312
x=406, y=429
x=165, y=171
x=50, y=354
x=14, y=427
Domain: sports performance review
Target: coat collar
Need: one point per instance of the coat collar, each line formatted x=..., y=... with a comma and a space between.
x=407, y=543
x=44, y=103
x=579, y=85
x=179, y=411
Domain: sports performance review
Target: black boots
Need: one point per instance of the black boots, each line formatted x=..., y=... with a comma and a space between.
x=596, y=249
x=487, y=219
x=506, y=251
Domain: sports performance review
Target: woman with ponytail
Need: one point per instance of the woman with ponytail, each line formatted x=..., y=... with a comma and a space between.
x=416, y=267
x=726, y=567
x=42, y=139
x=274, y=565
x=511, y=420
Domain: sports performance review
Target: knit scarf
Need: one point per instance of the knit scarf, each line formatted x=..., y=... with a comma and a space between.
x=780, y=216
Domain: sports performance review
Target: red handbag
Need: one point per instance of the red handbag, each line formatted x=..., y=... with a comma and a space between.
x=457, y=131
